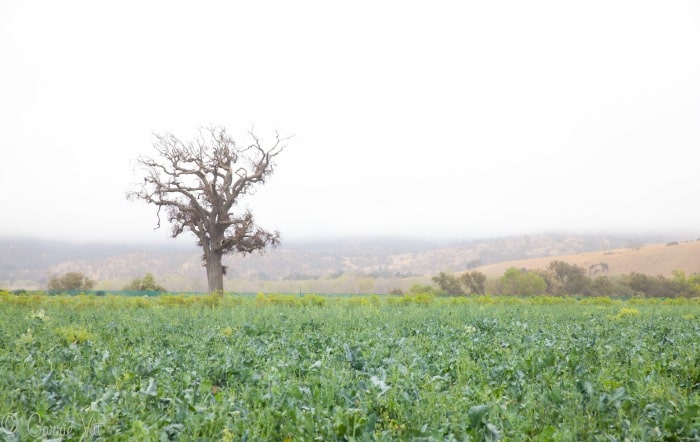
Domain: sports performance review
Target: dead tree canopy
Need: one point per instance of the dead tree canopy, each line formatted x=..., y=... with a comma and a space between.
x=198, y=185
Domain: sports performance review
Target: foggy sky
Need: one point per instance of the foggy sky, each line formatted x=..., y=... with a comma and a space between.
x=429, y=119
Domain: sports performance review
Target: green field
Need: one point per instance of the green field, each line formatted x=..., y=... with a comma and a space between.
x=365, y=368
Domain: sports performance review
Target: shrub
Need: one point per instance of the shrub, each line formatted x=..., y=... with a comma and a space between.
x=517, y=282
x=70, y=281
x=145, y=284
x=660, y=286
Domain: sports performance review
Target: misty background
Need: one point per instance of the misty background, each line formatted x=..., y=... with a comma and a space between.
x=440, y=120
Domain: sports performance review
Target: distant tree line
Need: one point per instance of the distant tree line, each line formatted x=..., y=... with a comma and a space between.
x=558, y=279
x=564, y=279
x=76, y=281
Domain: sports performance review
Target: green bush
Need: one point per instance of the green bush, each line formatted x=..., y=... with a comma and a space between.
x=518, y=282
x=145, y=284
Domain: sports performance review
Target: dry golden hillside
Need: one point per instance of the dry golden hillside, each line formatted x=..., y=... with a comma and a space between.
x=653, y=259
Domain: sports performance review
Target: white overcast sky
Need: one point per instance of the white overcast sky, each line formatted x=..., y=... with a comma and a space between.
x=433, y=119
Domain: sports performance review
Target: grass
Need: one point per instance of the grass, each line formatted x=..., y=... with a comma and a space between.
x=280, y=367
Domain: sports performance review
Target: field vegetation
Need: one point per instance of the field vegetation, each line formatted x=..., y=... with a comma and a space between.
x=289, y=367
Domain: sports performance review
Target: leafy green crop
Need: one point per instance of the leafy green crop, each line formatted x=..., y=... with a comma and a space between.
x=281, y=367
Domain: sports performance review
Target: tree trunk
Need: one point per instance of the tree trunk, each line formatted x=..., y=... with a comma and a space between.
x=215, y=272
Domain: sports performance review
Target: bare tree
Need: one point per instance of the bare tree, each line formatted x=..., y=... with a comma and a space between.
x=199, y=184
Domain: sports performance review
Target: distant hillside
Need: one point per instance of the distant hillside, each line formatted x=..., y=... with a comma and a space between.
x=652, y=259
x=323, y=265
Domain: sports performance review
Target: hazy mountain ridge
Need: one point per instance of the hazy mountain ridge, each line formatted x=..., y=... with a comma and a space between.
x=29, y=263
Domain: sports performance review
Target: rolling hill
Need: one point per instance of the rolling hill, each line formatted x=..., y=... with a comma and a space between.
x=340, y=265
x=652, y=259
